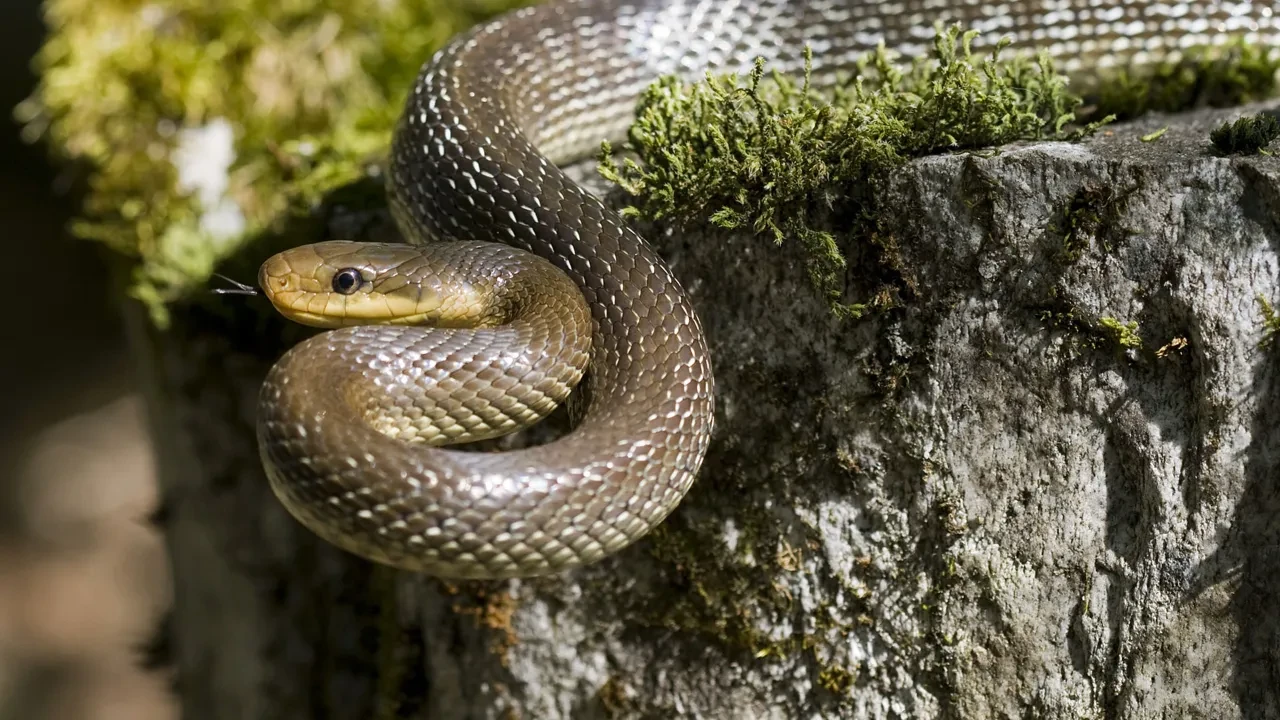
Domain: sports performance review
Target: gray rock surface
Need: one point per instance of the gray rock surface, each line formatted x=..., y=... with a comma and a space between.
x=977, y=503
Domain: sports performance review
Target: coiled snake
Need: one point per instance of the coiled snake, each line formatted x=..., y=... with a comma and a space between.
x=350, y=419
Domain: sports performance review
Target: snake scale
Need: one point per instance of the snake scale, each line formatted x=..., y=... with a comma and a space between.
x=352, y=420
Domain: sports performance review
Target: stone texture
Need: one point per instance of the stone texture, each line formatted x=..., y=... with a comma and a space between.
x=975, y=504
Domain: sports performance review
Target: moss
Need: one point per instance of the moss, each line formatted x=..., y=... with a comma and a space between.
x=296, y=97
x=1155, y=135
x=301, y=97
x=836, y=679
x=1124, y=335
x=1232, y=74
x=1091, y=334
x=1270, y=322
x=1248, y=135
x=1092, y=217
x=781, y=160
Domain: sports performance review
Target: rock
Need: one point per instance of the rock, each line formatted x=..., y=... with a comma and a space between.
x=996, y=498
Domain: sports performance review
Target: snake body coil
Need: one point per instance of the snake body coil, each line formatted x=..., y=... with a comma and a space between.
x=475, y=158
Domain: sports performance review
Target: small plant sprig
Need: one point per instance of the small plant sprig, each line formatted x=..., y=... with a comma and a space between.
x=1249, y=135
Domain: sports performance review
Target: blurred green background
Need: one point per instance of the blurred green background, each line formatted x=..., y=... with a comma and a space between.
x=83, y=578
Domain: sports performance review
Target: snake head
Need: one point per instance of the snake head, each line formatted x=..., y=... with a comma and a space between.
x=340, y=283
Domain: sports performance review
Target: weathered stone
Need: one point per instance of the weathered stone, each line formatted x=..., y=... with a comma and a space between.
x=995, y=499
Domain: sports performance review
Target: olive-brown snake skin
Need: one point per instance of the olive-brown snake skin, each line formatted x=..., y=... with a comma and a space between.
x=475, y=158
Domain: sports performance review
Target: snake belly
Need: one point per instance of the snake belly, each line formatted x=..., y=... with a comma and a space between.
x=475, y=157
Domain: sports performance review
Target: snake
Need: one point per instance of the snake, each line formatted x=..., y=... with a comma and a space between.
x=517, y=287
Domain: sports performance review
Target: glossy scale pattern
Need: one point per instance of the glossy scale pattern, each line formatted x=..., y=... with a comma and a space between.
x=475, y=158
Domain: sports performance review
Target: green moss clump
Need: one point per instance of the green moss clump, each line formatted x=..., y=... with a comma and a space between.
x=1270, y=322
x=1234, y=74
x=779, y=159
x=1093, y=334
x=283, y=101
x=782, y=160
x=1124, y=335
x=836, y=679
x=1247, y=135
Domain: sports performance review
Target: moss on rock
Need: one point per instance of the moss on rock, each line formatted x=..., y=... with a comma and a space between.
x=199, y=125
x=1270, y=322
x=784, y=161
x=1248, y=135
x=780, y=159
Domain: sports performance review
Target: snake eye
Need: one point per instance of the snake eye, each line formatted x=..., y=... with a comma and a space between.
x=346, y=281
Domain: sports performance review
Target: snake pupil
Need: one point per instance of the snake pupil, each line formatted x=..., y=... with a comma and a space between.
x=346, y=280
